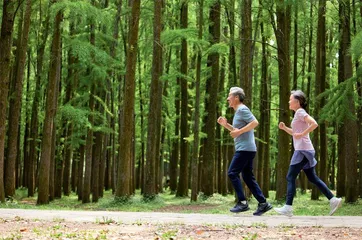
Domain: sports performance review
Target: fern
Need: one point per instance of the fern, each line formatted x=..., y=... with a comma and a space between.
x=337, y=106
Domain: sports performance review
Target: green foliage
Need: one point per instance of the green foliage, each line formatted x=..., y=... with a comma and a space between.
x=176, y=35
x=219, y=48
x=78, y=116
x=83, y=11
x=217, y=204
x=337, y=107
x=356, y=50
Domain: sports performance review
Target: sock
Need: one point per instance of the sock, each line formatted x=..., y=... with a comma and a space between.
x=243, y=202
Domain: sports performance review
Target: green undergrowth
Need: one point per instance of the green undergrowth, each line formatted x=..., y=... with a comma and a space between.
x=167, y=202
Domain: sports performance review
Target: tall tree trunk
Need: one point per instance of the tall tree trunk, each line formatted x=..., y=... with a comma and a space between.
x=264, y=130
x=86, y=186
x=140, y=168
x=96, y=158
x=7, y=26
x=282, y=32
x=54, y=77
x=34, y=124
x=152, y=154
x=196, y=129
x=359, y=117
x=124, y=170
x=182, y=188
x=320, y=79
x=228, y=144
x=68, y=126
x=295, y=61
x=80, y=172
x=350, y=125
x=15, y=105
x=173, y=170
x=245, y=51
x=212, y=84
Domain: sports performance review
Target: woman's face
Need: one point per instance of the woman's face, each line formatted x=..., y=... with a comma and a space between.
x=293, y=103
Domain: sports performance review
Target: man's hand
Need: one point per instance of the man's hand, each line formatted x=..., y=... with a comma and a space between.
x=235, y=133
x=281, y=125
x=222, y=121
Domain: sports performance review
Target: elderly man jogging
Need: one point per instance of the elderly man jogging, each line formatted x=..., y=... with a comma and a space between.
x=242, y=131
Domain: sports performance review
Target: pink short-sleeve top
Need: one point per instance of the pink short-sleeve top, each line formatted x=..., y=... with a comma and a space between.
x=299, y=125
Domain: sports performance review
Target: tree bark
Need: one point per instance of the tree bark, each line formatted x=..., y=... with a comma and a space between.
x=350, y=125
x=212, y=83
x=54, y=77
x=246, y=68
x=7, y=26
x=152, y=154
x=15, y=104
x=182, y=188
x=124, y=170
x=282, y=33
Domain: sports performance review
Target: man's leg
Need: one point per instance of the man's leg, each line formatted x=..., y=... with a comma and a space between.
x=250, y=181
x=236, y=165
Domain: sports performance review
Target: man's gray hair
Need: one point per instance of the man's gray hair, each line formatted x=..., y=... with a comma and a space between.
x=237, y=91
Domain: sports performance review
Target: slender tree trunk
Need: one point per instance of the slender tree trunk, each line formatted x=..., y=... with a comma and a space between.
x=15, y=105
x=295, y=61
x=350, y=125
x=86, y=186
x=282, y=32
x=196, y=130
x=175, y=146
x=81, y=172
x=96, y=156
x=182, y=188
x=123, y=184
x=320, y=79
x=34, y=124
x=245, y=51
x=68, y=126
x=212, y=84
x=140, y=168
x=7, y=25
x=54, y=77
x=359, y=117
x=264, y=130
x=150, y=189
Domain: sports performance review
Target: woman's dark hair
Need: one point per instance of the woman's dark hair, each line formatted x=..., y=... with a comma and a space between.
x=300, y=96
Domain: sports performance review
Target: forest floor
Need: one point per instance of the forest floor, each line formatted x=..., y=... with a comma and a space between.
x=169, y=223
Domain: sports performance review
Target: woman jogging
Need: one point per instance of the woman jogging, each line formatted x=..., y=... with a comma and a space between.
x=303, y=157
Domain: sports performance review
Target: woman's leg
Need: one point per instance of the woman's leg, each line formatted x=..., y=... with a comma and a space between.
x=293, y=172
x=313, y=178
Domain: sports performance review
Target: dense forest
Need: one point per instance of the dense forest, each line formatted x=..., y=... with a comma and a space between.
x=124, y=95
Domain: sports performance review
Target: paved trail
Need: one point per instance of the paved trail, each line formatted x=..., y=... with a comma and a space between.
x=195, y=219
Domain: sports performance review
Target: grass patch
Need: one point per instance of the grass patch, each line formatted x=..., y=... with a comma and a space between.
x=167, y=202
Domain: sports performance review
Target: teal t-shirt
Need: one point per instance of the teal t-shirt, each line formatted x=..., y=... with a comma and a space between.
x=246, y=141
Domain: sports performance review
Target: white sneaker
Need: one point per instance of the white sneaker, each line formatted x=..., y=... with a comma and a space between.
x=286, y=210
x=334, y=203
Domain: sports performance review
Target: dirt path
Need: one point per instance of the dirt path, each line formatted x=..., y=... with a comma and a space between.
x=45, y=224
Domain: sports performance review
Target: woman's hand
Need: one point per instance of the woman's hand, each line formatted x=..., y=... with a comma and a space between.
x=297, y=135
x=281, y=125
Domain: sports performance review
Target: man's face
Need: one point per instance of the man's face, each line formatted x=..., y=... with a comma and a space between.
x=232, y=100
